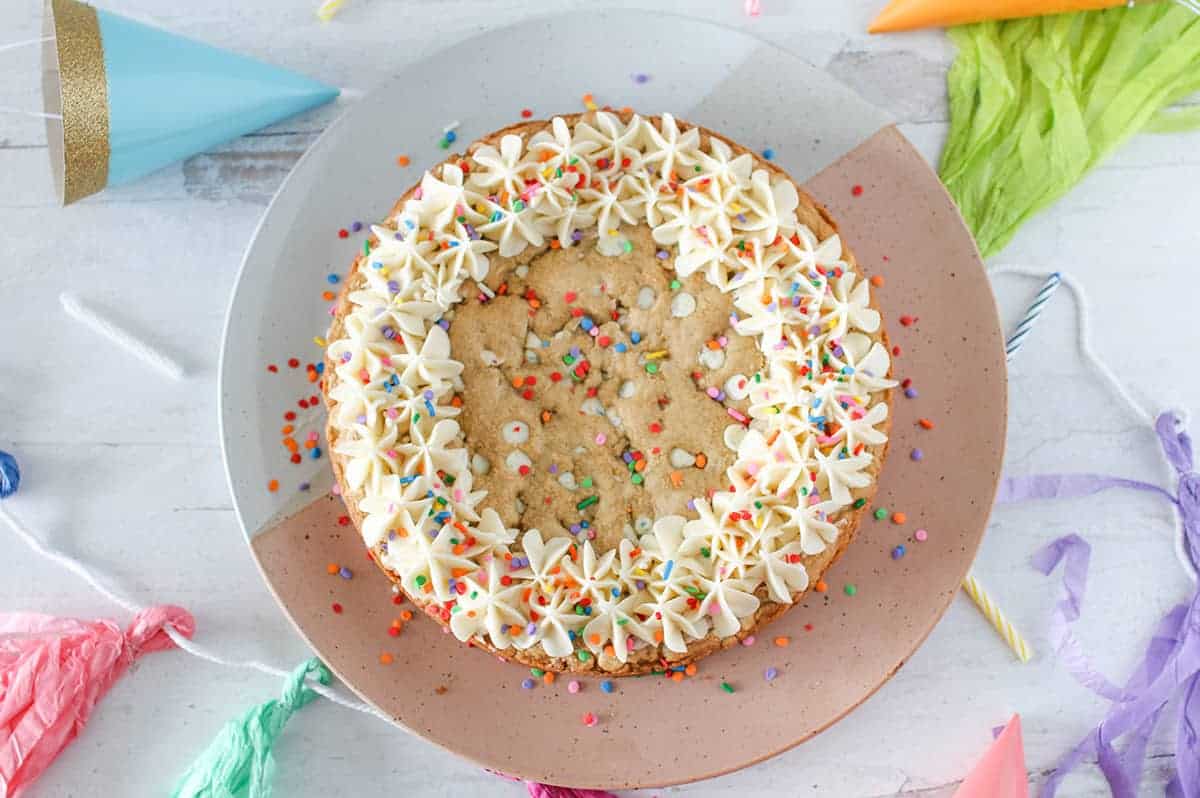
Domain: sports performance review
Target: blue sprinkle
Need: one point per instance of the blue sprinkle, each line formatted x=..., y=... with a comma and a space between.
x=897, y=552
x=321, y=367
x=636, y=337
x=586, y=324
x=10, y=475
x=770, y=673
x=333, y=279
x=451, y=136
x=606, y=686
x=315, y=453
x=768, y=153
x=527, y=683
x=620, y=347
x=667, y=571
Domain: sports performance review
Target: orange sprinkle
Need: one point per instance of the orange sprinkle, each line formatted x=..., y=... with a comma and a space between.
x=459, y=548
x=820, y=586
x=677, y=676
x=925, y=423
x=701, y=460
x=782, y=641
x=594, y=639
x=899, y=518
x=332, y=568
x=877, y=281
x=713, y=344
x=288, y=429
x=406, y=615
x=385, y=658
x=310, y=444
x=291, y=444
x=517, y=382
x=403, y=160
x=610, y=651
x=554, y=244
x=676, y=479
x=456, y=401
x=658, y=635
x=548, y=677
x=273, y=485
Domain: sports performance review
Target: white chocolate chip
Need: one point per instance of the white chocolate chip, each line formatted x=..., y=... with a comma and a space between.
x=480, y=465
x=522, y=270
x=712, y=358
x=627, y=389
x=517, y=458
x=643, y=523
x=737, y=387
x=533, y=342
x=683, y=305
x=682, y=458
x=613, y=418
x=567, y=480
x=592, y=406
x=733, y=436
x=519, y=505
x=610, y=245
x=515, y=432
x=490, y=358
x=532, y=357
x=645, y=297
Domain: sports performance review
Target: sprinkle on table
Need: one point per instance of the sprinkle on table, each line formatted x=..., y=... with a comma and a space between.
x=856, y=190
x=917, y=455
x=590, y=719
x=899, y=517
x=727, y=687
x=273, y=485
x=921, y=535
x=898, y=552
x=768, y=153
x=782, y=641
x=403, y=160
x=925, y=423
x=850, y=589
x=770, y=673
x=881, y=513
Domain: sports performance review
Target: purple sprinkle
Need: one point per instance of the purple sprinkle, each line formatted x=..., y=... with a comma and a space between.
x=531, y=628
x=897, y=552
x=662, y=254
x=362, y=419
x=917, y=454
x=640, y=78
x=691, y=504
x=399, y=236
x=815, y=329
x=741, y=217
x=574, y=351
x=576, y=529
x=388, y=332
x=391, y=534
x=639, y=584
x=910, y=392
x=393, y=286
x=356, y=227
x=770, y=674
x=304, y=486
x=428, y=394
x=577, y=235
x=527, y=683
x=444, y=324
x=553, y=468
x=838, y=351
x=345, y=357
x=345, y=573
x=471, y=232
x=795, y=301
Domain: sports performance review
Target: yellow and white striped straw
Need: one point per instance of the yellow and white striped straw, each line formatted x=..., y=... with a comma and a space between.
x=997, y=618
x=328, y=8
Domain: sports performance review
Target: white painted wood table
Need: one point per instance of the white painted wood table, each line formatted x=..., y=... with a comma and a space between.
x=123, y=468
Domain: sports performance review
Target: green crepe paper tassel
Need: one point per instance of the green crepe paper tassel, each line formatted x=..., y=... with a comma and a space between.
x=1036, y=103
x=238, y=763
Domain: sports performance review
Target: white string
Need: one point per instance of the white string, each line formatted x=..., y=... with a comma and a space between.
x=99, y=584
x=25, y=43
x=348, y=93
x=1084, y=334
x=4, y=109
x=121, y=337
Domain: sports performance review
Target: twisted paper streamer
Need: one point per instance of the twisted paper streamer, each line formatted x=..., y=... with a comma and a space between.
x=238, y=763
x=52, y=673
x=1171, y=665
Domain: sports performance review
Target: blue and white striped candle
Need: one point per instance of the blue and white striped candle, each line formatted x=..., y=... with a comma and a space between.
x=1031, y=315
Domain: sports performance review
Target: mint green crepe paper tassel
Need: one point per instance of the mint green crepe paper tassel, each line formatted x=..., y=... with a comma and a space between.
x=238, y=763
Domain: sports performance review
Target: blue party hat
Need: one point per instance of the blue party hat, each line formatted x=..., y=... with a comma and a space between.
x=134, y=98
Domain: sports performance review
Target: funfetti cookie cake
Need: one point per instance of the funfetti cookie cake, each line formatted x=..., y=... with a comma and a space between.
x=606, y=392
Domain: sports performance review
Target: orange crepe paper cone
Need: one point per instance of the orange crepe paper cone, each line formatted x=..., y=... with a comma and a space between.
x=1001, y=772
x=911, y=14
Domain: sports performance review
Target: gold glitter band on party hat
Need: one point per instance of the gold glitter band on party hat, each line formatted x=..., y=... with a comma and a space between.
x=75, y=81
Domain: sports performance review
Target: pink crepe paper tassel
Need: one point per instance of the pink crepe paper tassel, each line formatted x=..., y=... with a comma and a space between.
x=52, y=673
x=537, y=790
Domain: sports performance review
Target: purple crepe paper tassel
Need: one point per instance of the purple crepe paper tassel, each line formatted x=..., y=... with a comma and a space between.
x=1171, y=664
